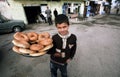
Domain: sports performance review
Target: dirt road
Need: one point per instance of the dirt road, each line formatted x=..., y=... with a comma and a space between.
x=98, y=51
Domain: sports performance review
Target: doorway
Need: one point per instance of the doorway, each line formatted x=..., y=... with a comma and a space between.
x=31, y=13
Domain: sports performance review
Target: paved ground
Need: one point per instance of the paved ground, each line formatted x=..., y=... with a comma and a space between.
x=98, y=51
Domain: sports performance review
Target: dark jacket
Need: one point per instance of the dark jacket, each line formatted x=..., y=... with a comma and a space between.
x=69, y=50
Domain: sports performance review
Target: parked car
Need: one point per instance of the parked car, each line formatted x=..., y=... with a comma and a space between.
x=7, y=25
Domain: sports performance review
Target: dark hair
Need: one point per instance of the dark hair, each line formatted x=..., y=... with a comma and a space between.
x=61, y=18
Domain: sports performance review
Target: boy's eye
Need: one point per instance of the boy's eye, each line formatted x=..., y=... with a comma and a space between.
x=61, y=28
x=64, y=26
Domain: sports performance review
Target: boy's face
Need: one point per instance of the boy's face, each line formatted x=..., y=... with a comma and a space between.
x=63, y=28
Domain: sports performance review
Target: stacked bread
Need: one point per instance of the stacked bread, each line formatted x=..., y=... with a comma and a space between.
x=31, y=43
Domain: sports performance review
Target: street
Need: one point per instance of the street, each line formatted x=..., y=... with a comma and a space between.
x=97, y=55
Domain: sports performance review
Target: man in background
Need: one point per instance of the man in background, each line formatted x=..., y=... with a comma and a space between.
x=49, y=16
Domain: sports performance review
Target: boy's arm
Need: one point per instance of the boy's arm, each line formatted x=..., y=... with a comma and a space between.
x=51, y=51
x=73, y=51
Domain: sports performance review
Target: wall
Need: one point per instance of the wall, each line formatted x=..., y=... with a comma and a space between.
x=18, y=11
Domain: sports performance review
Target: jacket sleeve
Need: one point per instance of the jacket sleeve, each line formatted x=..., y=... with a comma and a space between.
x=73, y=49
x=52, y=50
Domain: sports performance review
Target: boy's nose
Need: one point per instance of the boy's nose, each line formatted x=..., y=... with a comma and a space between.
x=62, y=29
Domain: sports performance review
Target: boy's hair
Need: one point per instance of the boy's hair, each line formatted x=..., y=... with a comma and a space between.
x=61, y=18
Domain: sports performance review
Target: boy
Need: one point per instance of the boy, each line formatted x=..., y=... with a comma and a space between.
x=64, y=47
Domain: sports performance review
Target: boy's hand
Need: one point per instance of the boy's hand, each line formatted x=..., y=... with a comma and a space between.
x=68, y=60
x=57, y=54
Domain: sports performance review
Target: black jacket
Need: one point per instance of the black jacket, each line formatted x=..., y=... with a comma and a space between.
x=69, y=50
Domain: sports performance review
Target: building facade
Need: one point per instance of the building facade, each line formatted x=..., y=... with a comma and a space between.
x=27, y=10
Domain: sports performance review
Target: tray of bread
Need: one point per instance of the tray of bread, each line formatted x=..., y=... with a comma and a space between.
x=31, y=44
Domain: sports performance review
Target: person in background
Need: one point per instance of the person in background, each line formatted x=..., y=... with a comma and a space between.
x=88, y=11
x=64, y=47
x=55, y=13
x=117, y=7
x=43, y=17
x=106, y=7
x=49, y=16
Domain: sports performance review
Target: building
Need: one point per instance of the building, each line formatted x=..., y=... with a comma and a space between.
x=27, y=10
